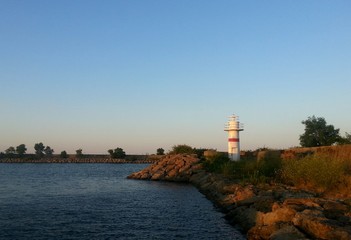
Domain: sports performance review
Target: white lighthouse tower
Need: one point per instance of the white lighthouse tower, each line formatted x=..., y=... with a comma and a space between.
x=233, y=127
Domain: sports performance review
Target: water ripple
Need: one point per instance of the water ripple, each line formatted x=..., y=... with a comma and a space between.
x=96, y=201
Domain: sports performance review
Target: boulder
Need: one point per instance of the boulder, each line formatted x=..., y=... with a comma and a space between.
x=315, y=224
x=244, y=217
x=287, y=233
x=283, y=214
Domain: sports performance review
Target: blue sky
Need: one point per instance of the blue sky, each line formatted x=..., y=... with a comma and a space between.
x=147, y=74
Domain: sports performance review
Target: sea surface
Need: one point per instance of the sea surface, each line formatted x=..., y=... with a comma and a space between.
x=96, y=201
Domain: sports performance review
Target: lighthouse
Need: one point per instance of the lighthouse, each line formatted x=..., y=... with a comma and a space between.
x=233, y=127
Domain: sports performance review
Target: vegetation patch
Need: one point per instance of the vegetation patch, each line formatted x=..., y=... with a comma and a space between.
x=317, y=171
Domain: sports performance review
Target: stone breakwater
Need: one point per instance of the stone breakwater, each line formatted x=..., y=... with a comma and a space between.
x=175, y=168
x=274, y=212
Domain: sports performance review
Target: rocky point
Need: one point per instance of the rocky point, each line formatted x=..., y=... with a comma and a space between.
x=274, y=212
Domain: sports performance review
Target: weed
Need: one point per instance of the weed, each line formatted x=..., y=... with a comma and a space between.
x=316, y=170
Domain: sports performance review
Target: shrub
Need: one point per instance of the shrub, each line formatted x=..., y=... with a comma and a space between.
x=200, y=152
x=270, y=164
x=182, y=149
x=255, y=178
x=316, y=171
x=253, y=171
x=325, y=170
x=249, y=171
x=228, y=169
x=216, y=162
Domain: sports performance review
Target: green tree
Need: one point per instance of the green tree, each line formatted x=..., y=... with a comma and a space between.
x=117, y=153
x=63, y=154
x=39, y=149
x=48, y=151
x=182, y=149
x=160, y=151
x=10, y=152
x=79, y=153
x=318, y=133
x=21, y=149
x=345, y=140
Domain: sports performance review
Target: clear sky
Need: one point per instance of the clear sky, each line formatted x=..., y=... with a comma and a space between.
x=142, y=74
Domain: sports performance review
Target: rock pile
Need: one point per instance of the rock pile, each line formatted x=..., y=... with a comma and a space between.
x=274, y=212
x=177, y=168
x=277, y=212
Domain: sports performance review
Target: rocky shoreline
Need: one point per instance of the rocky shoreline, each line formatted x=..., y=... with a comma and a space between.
x=274, y=212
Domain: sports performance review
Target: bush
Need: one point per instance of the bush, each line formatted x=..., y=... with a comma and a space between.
x=200, y=152
x=325, y=171
x=249, y=171
x=270, y=164
x=316, y=171
x=253, y=171
x=228, y=169
x=182, y=149
x=216, y=162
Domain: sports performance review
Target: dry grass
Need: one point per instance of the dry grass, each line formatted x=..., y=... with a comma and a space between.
x=317, y=171
x=323, y=169
x=326, y=170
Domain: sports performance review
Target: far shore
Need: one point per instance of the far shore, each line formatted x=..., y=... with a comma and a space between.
x=87, y=158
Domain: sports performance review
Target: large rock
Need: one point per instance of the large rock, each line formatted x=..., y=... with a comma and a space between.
x=315, y=224
x=281, y=214
x=287, y=233
x=245, y=217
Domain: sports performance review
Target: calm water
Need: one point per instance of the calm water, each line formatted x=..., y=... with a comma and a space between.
x=96, y=201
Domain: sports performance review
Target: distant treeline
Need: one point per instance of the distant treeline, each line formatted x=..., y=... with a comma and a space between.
x=86, y=158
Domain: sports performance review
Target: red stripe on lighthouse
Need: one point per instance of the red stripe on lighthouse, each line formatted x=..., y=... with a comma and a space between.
x=233, y=139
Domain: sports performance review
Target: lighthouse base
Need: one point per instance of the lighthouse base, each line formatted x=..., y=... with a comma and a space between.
x=234, y=156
